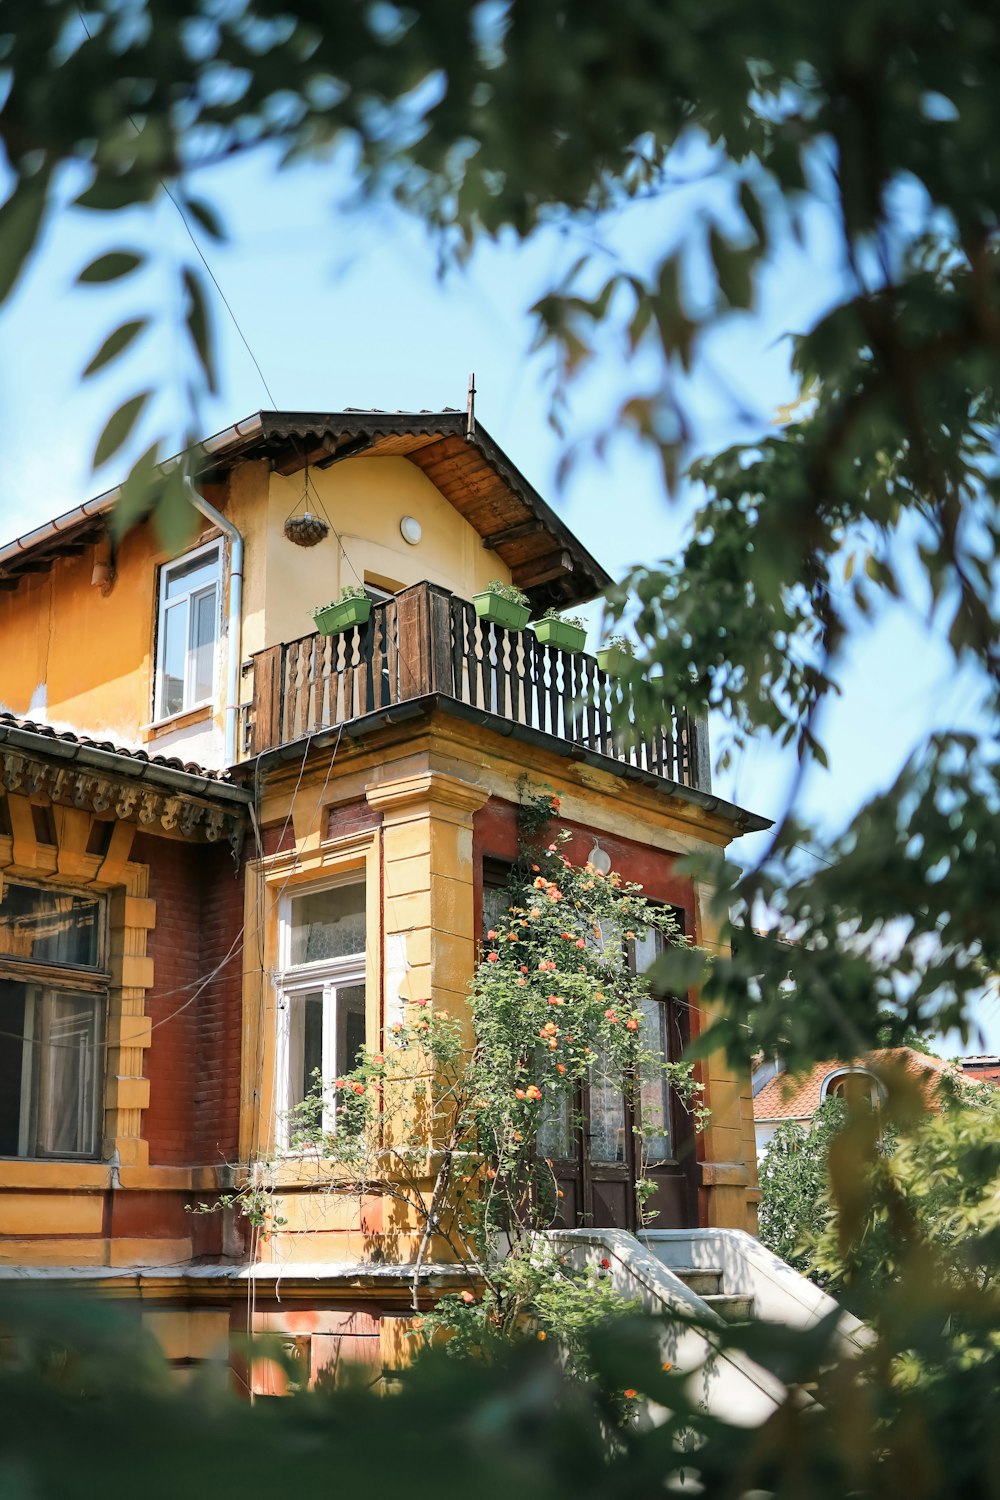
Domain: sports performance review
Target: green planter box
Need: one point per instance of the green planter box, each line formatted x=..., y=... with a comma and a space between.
x=501, y=612
x=569, y=638
x=342, y=616
x=613, y=660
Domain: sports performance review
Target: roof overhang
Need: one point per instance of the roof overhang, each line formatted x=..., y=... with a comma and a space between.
x=458, y=456
x=741, y=820
x=123, y=785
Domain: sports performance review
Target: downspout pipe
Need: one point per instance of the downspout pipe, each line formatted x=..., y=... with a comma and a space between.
x=234, y=627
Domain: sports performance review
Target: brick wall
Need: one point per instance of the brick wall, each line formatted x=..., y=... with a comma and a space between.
x=193, y=1062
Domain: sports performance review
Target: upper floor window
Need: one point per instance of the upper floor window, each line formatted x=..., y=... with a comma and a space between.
x=53, y=999
x=321, y=1001
x=188, y=631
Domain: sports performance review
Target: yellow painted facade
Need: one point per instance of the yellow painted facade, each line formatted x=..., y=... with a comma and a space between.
x=109, y=688
x=74, y=653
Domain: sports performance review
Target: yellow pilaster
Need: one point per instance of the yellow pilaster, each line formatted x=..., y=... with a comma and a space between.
x=729, y=1165
x=428, y=886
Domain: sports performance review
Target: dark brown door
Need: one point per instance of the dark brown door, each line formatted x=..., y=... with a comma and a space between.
x=594, y=1149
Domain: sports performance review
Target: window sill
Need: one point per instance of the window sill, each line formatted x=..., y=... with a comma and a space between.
x=49, y=1172
x=186, y=720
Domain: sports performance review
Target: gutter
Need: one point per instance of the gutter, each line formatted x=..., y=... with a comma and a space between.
x=123, y=764
x=234, y=624
x=414, y=708
x=100, y=505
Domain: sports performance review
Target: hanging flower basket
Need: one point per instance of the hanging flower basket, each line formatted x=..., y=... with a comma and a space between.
x=306, y=530
x=504, y=605
x=344, y=614
x=552, y=631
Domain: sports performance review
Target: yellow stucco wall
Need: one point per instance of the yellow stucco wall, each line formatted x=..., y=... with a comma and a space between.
x=365, y=499
x=73, y=655
x=426, y=788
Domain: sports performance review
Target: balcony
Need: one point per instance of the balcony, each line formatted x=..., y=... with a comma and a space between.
x=426, y=644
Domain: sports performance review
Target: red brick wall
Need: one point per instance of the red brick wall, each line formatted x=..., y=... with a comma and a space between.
x=193, y=1062
x=495, y=836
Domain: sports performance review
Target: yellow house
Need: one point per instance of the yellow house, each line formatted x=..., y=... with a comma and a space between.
x=233, y=850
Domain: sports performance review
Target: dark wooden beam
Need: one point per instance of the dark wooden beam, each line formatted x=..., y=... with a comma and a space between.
x=511, y=534
x=528, y=575
x=337, y=451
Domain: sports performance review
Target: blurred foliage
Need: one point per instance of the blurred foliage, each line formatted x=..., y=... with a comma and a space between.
x=795, y=1186
x=882, y=483
x=934, y=1187
x=86, y=1407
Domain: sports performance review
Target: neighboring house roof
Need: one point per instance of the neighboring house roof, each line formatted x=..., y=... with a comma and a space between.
x=789, y=1097
x=985, y=1068
x=19, y=734
x=458, y=456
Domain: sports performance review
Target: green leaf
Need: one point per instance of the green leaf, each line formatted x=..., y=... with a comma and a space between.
x=109, y=194
x=679, y=969
x=733, y=268
x=175, y=517
x=110, y=267
x=199, y=326
x=139, y=493
x=116, y=343
x=119, y=428
x=206, y=218
x=20, y=222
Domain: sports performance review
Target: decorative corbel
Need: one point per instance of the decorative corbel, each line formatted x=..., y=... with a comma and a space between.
x=149, y=807
x=190, y=816
x=103, y=794
x=82, y=791
x=35, y=777
x=13, y=770
x=215, y=820
x=126, y=798
x=171, y=812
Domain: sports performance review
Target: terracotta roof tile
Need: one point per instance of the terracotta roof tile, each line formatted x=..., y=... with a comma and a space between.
x=71, y=737
x=786, y=1097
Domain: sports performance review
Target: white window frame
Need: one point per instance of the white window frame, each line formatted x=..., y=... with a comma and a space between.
x=185, y=600
x=327, y=976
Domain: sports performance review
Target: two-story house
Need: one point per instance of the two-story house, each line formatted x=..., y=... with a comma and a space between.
x=232, y=850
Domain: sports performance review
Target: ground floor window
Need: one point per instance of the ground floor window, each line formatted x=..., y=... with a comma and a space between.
x=53, y=1001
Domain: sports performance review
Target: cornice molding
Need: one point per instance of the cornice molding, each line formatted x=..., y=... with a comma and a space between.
x=177, y=813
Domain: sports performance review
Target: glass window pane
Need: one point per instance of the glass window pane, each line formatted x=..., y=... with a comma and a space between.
x=12, y=1009
x=67, y=1051
x=173, y=657
x=654, y=1093
x=305, y=1045
x=312, y=1043
x=496, y=908
x=204, y=615
x=184, y=577
x=350, y=1026
x=49, y=927
x=555, y=1130
x=607, y=1116
x=647, y=950
x=328, y=924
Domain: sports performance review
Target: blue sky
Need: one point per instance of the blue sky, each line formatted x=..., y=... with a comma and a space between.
x=347, y=308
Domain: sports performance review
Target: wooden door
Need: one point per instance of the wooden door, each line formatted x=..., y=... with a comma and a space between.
x=596, y=1155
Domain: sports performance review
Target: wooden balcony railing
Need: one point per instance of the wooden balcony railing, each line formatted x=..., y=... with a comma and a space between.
x=425, y=640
